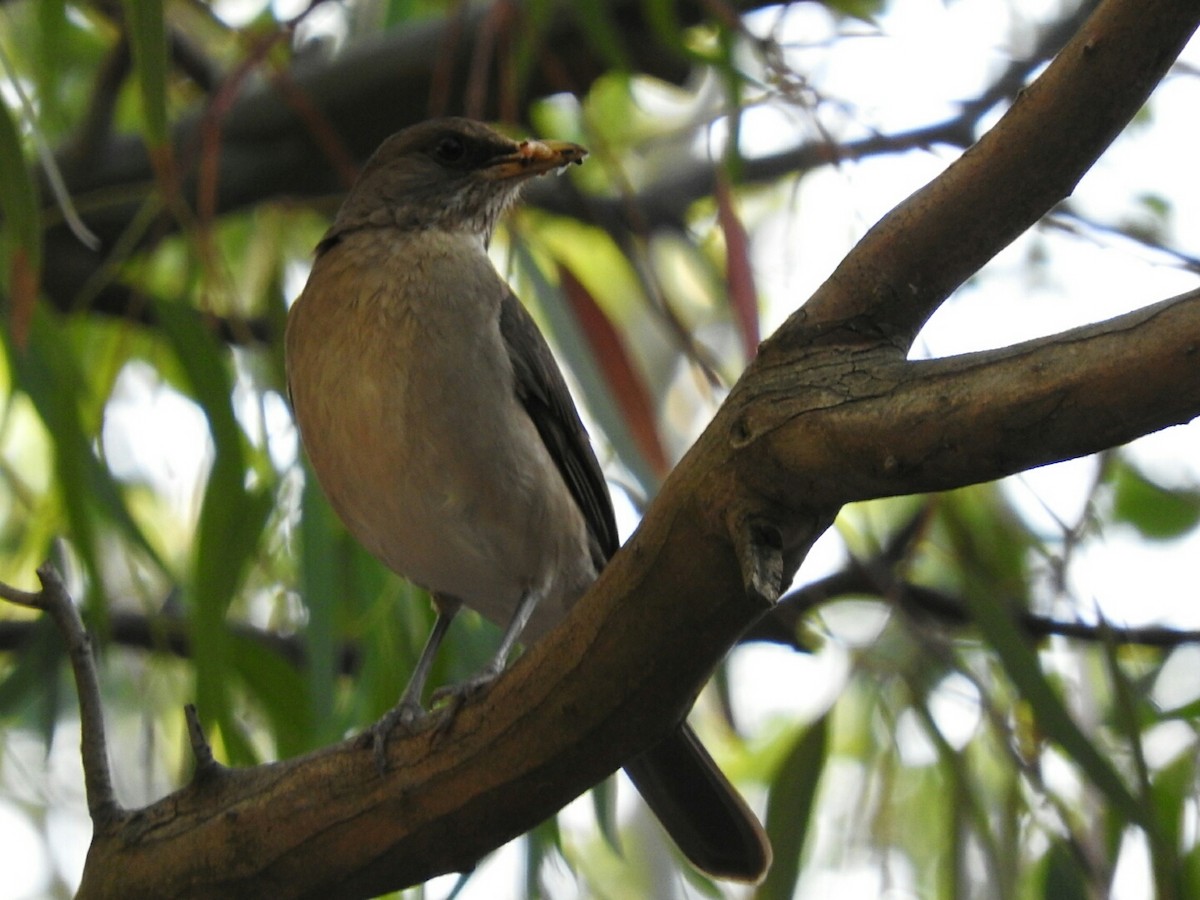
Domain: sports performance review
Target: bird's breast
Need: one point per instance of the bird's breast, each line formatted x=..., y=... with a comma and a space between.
x=403, y=392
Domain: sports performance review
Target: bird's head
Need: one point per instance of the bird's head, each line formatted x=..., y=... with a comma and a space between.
x=450, y=174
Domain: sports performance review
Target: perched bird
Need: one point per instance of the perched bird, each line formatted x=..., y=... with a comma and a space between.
x=443, y=433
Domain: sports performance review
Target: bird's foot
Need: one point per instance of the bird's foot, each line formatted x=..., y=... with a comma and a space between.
x=404, y=714
x=455, y=695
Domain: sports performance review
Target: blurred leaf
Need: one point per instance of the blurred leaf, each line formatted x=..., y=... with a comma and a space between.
x=148, y=43
x=1172, y=792
x=541, y=842
x=30, y=693
x=1021, y=663
x=51, y=34
x=396, y=620
x=279, y=691
x=739, y=276
x=1187, y=712
x=1126, y=718
x=22, y=229
x=865, y=10
x=535, y=20
x=977, y=544
x=624, y=382
x=1155, y=204
x=49, y=374
x=1157, y=513
x=602, y=32
x=1189, y=875
x=604, y=805
x=232, y=517
x=567, y=333
x=662, y=16
x=319, y=582
x=1062, y=877
x=790, y=808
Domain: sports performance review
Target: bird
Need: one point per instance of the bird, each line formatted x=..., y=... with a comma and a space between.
x=442, y=431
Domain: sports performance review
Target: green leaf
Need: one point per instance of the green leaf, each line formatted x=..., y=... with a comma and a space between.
x=595, y=20
x=30, y=692
x=537, y=17
x=1189, y=874
x=148, y=43
x=865, y=10
x=604, y=805
x=279, y=691
x=49, y=374
x=663, y=18
x=232, y=517
x=18, y=191
x=1021, y=663
x=1155, y=511
x=789, y=809
x=1171, y=792
x=541, y=842
x=319, y=563
x=1062, y=877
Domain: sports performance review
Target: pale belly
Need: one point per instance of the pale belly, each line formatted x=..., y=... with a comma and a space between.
x=428, y=457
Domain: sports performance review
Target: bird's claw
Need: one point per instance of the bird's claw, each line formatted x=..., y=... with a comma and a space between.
x=404, y=714
x=457, y=694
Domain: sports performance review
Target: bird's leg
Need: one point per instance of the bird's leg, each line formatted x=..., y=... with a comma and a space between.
x=408, y=708
x=489, y=673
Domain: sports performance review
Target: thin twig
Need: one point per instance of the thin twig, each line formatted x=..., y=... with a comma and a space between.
x=54, y=600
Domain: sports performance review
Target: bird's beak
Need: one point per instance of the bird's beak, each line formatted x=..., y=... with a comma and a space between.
x=534, y=158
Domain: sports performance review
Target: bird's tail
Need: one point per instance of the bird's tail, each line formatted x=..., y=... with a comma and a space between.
x=704, y=814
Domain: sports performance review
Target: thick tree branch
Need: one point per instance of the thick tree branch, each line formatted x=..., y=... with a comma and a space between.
x=927, y=246
x=892, y=428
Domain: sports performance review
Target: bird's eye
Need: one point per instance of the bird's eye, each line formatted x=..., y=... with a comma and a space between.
x=450, y=149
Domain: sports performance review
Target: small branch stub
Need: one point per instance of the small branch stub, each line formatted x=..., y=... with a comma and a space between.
x=759, y=548
x=206, y=765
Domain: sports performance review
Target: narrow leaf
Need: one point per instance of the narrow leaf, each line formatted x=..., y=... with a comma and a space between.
x=739, y=276
x=319, y=587
x=623, y=380
x=278, y=690
x=50, y=375
x=1063, y=879
x=22, y=244
x=790, y=807
x=602, y=32
x=604, y=805
x=232, y=517
x=1021, y=663
x=1155, y=511
x=564, y=327
x=148, y=43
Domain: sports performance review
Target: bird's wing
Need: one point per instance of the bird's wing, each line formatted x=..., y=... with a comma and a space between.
x=543, y=392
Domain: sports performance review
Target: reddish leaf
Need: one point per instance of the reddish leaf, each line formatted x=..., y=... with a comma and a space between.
x=626, y=385
x=22, y=291
x=743, y=297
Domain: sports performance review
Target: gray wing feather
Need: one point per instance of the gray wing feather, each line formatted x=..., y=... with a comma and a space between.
x=543, y=392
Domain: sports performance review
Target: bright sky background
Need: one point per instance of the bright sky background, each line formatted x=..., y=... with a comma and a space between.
x=935, y=54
